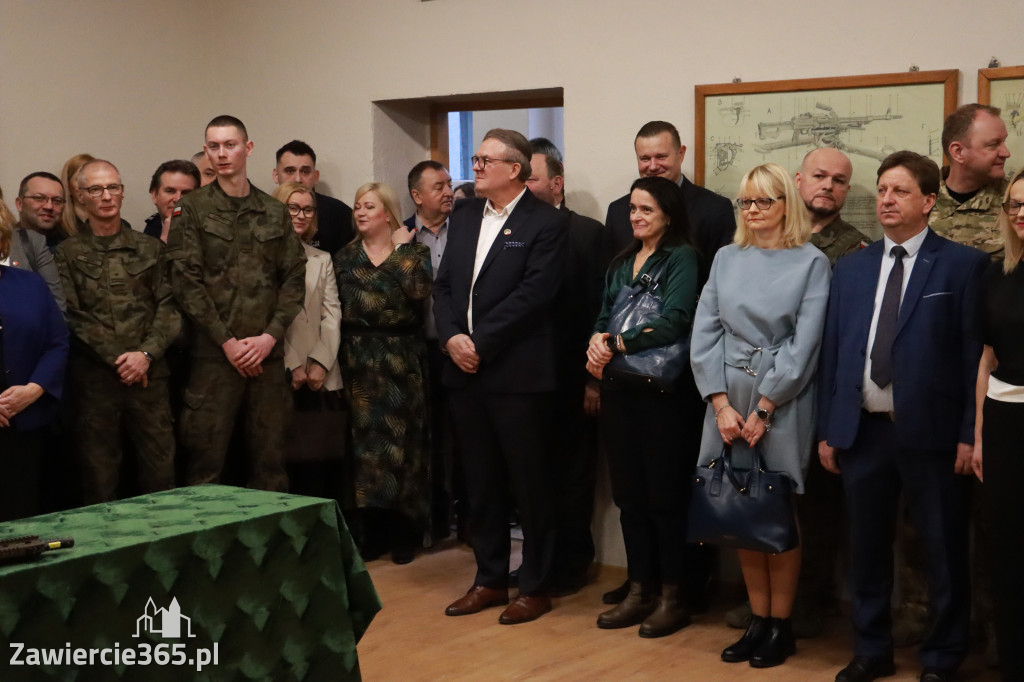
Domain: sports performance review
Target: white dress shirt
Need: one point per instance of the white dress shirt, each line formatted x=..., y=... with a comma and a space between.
x=490, y=228
x=880, y=399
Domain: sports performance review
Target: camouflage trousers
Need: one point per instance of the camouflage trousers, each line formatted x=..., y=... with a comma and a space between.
x=103, y=409
x=216, y=395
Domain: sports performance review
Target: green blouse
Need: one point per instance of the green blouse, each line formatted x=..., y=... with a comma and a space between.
x=678, y=289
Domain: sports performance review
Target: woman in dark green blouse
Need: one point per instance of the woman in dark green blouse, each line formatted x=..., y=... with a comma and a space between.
x=640, y=426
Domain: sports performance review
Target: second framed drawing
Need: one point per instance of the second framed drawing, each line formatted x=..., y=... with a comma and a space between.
x=741, y=125
x=1004, y=88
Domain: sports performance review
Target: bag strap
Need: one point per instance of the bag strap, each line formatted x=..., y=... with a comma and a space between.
x=651, y=280
x=751, y=483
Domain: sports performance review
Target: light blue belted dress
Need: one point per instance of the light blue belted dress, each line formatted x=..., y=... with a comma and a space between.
x=756, y=332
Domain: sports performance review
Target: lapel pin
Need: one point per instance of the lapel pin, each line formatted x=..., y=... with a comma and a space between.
x=507, y=232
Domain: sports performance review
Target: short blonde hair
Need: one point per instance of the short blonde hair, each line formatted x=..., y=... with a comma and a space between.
x=387, y=196
x=285, y=191
x=771, y=180
x=1013, y=247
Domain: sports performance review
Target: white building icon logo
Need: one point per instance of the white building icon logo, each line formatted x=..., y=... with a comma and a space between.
x=165, y=622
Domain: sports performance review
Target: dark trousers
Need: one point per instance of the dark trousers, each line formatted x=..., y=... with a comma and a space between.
x=505, y=441
x=650, y=474
x=1004, y=514
x=21, y=472
x=216, y=393
x=874, y=471
x=447, y=484
x=103, y=406
x=574, y=460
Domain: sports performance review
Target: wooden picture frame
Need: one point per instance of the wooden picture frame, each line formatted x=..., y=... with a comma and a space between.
x=1004, y=88
x=742, y=125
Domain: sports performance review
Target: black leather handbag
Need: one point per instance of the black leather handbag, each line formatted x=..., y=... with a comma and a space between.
x=742, y=509
x=655, y=368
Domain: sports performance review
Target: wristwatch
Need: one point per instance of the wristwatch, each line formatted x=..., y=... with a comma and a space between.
x=765, y=416
x=149, y=356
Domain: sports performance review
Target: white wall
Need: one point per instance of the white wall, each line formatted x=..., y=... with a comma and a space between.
x=137, y=81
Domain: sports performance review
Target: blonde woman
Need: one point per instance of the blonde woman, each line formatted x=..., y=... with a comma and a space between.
x=754, y=353
x=384, y=281
x=1000, y=411
x=74, y=212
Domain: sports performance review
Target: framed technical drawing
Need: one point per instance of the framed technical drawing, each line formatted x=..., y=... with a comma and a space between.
x=1004, y=88
x=742, y=125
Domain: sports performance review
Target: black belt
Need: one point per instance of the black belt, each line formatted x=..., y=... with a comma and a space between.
x=889, y=417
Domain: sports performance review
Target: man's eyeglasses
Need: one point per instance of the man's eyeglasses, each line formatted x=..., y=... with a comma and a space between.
x=484, y=160
x=305, y=211
x=43, y=200
x=1012, y=207
x=763, y=203
x=97, y=191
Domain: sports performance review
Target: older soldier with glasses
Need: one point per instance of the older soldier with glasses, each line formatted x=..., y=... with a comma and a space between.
x=122, y=318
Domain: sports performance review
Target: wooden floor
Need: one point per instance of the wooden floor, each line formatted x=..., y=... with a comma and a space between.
x=412, y=639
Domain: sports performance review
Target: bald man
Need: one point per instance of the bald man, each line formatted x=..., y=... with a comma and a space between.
x=823, y=182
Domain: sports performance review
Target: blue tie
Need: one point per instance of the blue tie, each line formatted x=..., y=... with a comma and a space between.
x=888, y=316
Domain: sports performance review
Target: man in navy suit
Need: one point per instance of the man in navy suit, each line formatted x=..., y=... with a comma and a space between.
x=494, y=308
x=896, y=411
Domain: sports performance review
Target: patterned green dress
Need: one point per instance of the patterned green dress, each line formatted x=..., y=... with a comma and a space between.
x=383, y=366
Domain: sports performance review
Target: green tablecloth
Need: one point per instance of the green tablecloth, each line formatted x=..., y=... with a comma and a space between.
x=273, y=580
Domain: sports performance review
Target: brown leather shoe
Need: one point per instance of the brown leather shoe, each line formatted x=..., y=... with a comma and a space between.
x=476, y=600
x=524, y=609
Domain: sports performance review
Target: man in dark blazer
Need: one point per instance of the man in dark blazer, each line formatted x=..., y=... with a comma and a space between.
x=660, y=152
x=493, y=305
x=896, y=411
x=40, y=205
x=578, y=397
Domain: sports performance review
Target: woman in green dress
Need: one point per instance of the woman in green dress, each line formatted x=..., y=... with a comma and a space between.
x=384, y=283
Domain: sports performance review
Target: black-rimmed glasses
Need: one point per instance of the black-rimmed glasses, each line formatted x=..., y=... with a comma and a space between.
x=484, y=160
x=305, y=211
x=1012, y=207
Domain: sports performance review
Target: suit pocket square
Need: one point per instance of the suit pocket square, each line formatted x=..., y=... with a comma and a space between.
x=938, y=293
x=514, y=245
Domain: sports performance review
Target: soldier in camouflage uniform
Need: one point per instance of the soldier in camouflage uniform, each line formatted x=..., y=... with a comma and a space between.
x=238, y=271
x=974, y=138
x=969, y=201
x=122, y=317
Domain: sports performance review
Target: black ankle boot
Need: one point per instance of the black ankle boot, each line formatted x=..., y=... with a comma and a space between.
x=741, y=650
x=776, y=646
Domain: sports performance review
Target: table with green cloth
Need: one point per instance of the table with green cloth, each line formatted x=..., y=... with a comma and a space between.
x=272, y=582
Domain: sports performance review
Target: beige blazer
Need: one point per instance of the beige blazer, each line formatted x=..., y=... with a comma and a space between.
x=315, y=332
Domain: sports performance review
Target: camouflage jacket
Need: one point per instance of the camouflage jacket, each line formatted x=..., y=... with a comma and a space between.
x=972, y=223
x=839, y=238
x=237, y=266
x=119, y=294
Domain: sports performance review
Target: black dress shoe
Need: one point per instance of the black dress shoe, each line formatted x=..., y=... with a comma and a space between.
x=936, y=675
x=617, y=595
x=864, y=669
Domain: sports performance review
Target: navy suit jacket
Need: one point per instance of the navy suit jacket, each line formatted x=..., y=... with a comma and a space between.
x=935, y=352
x=513, y=299
x=34, y=342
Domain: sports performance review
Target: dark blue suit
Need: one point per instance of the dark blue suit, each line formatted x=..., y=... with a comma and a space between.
x=935, y=360
x=502, y=413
